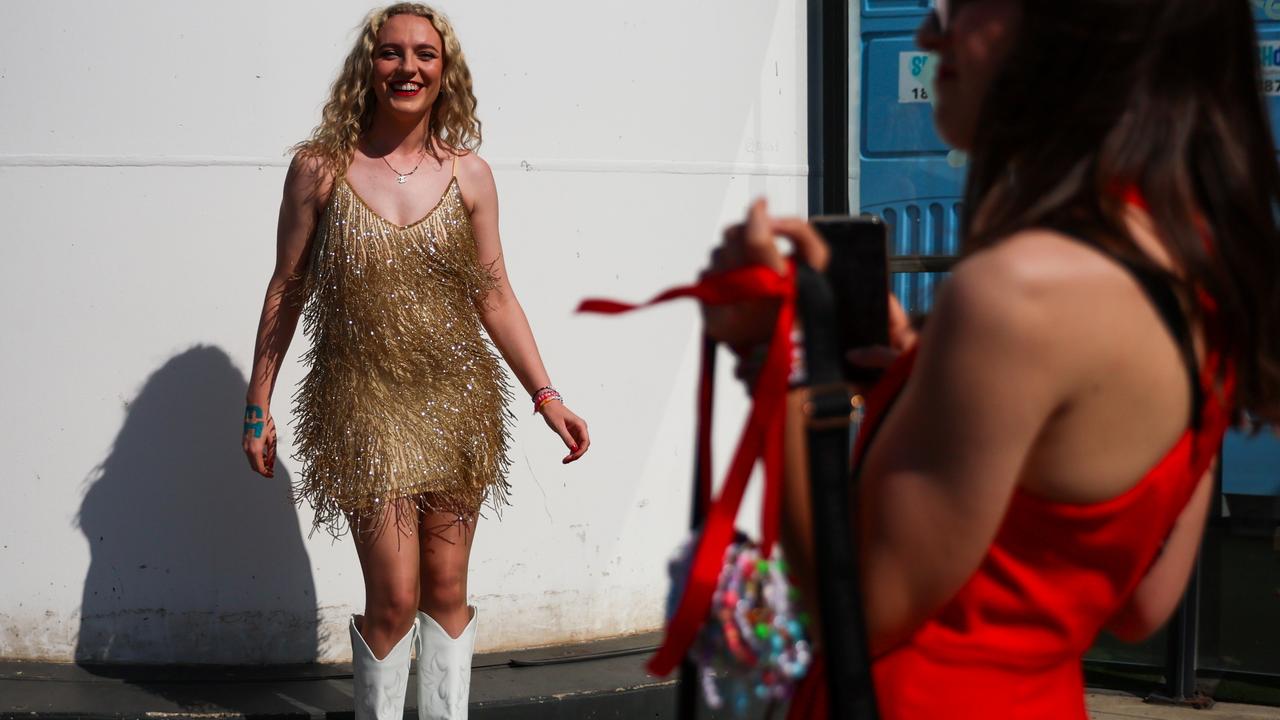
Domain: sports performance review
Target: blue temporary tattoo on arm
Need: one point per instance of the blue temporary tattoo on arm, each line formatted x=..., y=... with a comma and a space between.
x=253, y=413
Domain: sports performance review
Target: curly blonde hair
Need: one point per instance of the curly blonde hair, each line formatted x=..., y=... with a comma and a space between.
x=349, y=110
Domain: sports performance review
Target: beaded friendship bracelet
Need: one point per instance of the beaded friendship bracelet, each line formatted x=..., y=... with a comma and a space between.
x=543, y=396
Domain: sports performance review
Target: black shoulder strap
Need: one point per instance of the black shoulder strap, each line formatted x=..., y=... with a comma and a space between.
x=848, y=663
x=1159, y=291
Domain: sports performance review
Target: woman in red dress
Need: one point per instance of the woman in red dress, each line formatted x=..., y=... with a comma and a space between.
x=1042, y=466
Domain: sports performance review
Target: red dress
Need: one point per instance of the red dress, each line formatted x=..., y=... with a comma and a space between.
x=1010, y=643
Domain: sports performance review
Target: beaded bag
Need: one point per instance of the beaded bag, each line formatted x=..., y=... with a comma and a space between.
x=754, y=644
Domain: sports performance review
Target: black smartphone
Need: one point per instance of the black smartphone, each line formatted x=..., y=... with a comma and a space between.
x=859, y=277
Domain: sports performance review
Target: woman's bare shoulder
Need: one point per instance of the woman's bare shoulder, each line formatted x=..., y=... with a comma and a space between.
x=310, y=179
x=1038, y=285
x=472, y=165
x=475, y=178
x=1041, y=266
x=1063, y=301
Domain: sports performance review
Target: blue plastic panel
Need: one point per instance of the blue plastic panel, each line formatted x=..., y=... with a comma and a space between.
x=907, y=177
x=874, y=8
x=1251, y=465
x=890, y=127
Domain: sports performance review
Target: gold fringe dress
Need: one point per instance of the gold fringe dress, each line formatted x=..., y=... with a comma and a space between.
x=405, y=397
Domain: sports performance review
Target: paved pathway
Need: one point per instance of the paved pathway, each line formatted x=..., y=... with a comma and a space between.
x=1126, y=707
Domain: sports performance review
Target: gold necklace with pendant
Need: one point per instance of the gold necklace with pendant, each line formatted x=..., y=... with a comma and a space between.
x=402, y=178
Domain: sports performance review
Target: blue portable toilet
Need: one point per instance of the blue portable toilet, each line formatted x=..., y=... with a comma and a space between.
x=908, y=174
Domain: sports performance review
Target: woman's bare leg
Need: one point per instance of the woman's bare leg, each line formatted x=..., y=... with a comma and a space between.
x=444, y=553
x=388, y=552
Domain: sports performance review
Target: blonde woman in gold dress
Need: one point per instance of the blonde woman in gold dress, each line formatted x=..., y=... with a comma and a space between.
x=388, y=249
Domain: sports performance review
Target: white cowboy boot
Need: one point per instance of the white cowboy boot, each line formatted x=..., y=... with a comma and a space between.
x=444, y=669
x=380, y=684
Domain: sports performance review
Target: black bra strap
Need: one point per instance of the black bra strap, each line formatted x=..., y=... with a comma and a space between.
x=1162, y=296
x=1160, y=293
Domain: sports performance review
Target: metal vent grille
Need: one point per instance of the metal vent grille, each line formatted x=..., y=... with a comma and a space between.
x=924, y=239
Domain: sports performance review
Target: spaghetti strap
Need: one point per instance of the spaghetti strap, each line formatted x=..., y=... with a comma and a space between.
x=454, y=171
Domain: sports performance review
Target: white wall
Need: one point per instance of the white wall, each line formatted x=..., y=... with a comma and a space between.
x=140, y=168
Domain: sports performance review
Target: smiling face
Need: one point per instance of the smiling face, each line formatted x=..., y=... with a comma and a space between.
x=408, y=62
x=972, y=41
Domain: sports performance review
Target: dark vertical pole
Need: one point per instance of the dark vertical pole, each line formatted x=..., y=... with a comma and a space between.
x=828, y=107
x=687, y=686
x=815, y=110
x=848, y=677
x=1181, y=657
x=1183, y=639
x=1208, y=630
x=1180, y=661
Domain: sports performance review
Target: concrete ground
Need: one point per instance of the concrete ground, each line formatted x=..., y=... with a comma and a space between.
x=598, y=681
x=1106, y=706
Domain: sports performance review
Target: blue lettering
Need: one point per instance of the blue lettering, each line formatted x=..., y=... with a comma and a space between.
x=1269, y=55
x=1270, y=8
x=917, y=65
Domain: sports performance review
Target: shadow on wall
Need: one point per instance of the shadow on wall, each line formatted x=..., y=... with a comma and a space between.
x=195, y=558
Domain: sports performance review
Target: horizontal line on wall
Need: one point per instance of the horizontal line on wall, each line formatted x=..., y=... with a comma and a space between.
x=653, y=167
x=111, y=161
x=631, y=167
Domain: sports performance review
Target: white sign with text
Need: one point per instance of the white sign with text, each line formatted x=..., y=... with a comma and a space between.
x=915, y=72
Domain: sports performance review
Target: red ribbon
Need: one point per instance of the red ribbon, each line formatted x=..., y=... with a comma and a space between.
x=762, y=437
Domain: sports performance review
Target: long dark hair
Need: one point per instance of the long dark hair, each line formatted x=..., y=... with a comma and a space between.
x=1162, y=96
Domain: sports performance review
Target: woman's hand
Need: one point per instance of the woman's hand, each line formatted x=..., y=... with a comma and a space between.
x=744, y=325
x=571, y=429
x=747, y=326
x=259, y=440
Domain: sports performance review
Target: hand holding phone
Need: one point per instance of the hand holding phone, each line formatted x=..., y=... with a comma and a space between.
x=852, y=251
x=858, y=272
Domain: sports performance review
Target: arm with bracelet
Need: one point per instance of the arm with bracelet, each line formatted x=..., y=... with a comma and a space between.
x=508, y=326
